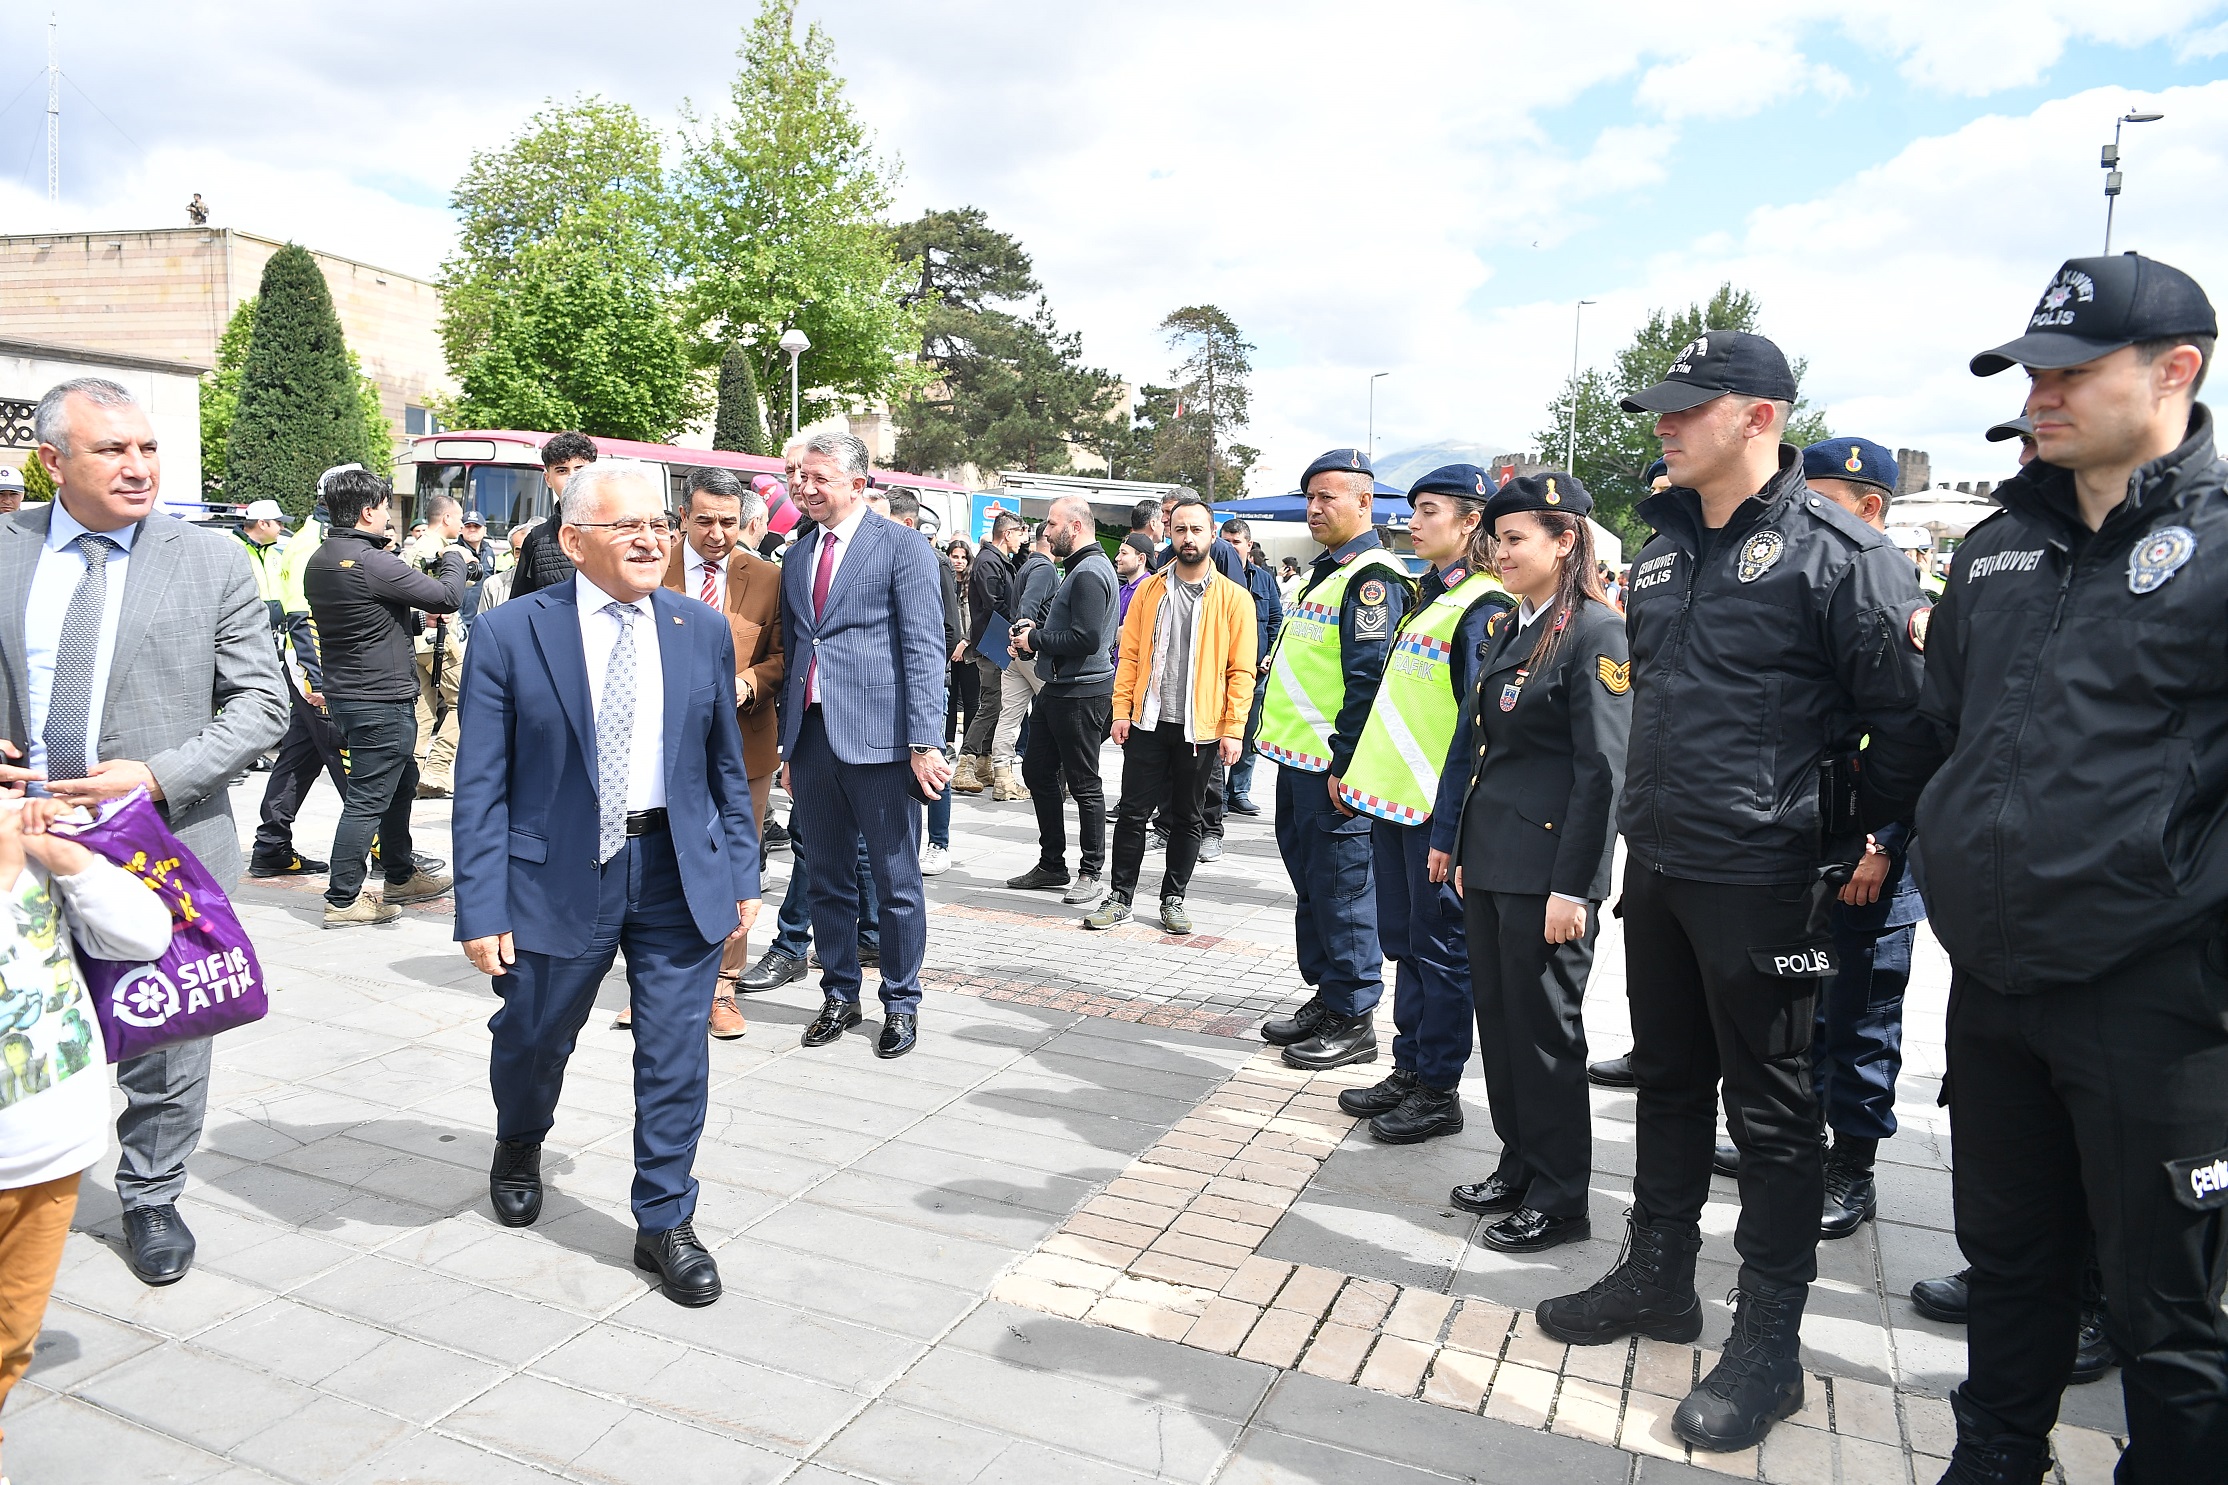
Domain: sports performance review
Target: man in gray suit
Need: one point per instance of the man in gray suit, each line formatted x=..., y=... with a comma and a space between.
x=862, y=729
x=134, y=653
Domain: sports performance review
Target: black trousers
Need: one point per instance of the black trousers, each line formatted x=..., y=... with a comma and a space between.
x=1530, y=996
x=1160, y=771
x=1702, y=1012
x=382, y=787
x=1065, y=744
x=959, y=703
x=2099, y=1090
x=311, y=743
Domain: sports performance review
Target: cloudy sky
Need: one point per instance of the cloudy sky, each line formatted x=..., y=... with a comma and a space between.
x=1418, y=188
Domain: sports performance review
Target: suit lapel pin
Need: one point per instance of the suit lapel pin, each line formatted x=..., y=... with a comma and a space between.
x=676, y=618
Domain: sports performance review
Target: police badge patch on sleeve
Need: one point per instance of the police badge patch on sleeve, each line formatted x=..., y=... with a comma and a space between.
x=1921, y=616
x=1758, y=554
x=2158, y=557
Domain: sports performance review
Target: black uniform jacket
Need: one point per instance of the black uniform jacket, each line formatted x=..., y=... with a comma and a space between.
x=2078, y=683
x=1541, y=811
x=360, y=595
x=1794, y=631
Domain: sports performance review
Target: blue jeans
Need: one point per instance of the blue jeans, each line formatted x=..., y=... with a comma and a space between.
x=1241, y=772
x=939, y=824
x=793, y=928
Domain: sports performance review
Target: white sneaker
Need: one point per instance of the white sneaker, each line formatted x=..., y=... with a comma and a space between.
x=935, y=861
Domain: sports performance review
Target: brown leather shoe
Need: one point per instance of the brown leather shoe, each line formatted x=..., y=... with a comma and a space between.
x=727, y=1019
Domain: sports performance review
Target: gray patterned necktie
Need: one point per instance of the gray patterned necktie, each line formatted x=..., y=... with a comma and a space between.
x=69, y=704
x=615, y=736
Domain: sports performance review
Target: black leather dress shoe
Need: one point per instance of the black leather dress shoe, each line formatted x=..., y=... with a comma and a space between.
x=1425, y=1114
x=1337, y=1041
x=835, y=1018
x=1851, y=1200
x=1038, y=877
x=1240, y=805
x=1612, y=1072
x=685, y=1271
x=773, y=969
x=1941, y=1299
x=514, y=1182
x=1301, y=1025
x=1527, y=1230
x=899, y=1032
x=161, y=1246
x=2097, y=1354
x=1488, y=1197
x=1377, y=1098
x=1726, y=1158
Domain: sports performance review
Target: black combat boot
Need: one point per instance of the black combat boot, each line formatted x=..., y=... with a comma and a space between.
x=1758, y=1381
x=1650, y=1292
x=1378, y=1098
x=1985, y=1457
x=1850, y=1198
x=1424, y=1114
x=1302, y=1024
x=1338, y=1040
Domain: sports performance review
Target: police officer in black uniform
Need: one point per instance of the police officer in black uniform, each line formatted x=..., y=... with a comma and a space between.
x=2074, y=844
x=1763, y=619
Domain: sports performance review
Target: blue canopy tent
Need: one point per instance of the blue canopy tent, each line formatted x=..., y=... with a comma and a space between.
x=1389, y=508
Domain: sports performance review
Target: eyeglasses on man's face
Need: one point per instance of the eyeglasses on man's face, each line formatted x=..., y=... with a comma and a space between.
x=629, y=527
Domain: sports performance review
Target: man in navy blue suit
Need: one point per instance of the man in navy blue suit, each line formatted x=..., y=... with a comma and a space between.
x=862, y=717
x=602, y=804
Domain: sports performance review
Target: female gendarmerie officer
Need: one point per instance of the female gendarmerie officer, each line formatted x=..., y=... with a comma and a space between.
x=1538, y=827
x=1408, y=773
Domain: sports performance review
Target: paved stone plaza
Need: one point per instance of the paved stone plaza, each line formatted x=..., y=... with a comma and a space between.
x=1085, y=1233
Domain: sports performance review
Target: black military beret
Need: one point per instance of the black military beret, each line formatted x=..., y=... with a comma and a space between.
x=1540, y=492
x=1466, y=480
x=1342, y=461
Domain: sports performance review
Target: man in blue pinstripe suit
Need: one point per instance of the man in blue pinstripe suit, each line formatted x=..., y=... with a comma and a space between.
x=862, y=715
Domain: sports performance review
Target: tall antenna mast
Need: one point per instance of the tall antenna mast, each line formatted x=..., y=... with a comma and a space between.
x=53, y=121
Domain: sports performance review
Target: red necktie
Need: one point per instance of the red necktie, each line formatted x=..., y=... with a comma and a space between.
x=822, y=573
x=711, y=579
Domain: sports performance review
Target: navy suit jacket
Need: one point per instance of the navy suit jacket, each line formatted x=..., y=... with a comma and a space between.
x=880, y=644
x=525, y=820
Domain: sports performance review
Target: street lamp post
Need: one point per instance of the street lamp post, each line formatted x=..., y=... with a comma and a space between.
x=796, y=343
x=1373, y=380
x=2111, y=166
x=1570, y=442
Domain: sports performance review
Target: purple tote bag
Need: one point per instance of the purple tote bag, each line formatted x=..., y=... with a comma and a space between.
x=209, y=981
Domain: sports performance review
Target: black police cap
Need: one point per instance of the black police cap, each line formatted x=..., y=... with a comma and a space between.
x=1338, y=461
x=1540, y=492
x=2019, y=427
x=2094, y=306
x=1714, y=363
x=1466, y=480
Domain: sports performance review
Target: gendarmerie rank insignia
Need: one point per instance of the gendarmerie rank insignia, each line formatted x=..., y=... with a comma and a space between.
x=1616, y=679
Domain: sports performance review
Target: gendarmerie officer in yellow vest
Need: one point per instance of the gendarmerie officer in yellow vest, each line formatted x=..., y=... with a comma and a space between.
x=1539, y=825
x=1407, y=776
x=1322, y=680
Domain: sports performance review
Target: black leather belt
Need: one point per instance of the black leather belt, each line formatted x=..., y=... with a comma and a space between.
x=646, y=822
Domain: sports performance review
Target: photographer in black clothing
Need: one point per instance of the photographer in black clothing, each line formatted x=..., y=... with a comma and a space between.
x=361, y=596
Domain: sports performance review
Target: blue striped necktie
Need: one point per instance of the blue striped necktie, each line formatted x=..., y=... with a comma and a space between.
x=69, y=703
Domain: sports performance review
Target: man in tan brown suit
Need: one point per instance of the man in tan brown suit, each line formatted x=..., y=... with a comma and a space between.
x=717, y=561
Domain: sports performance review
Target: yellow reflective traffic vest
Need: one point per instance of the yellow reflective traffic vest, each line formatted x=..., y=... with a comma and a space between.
x=1395, y=772
x=1307, y=676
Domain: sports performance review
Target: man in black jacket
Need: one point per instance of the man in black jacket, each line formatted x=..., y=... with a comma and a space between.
x=1075, y=707
x=1764, y=619
x=989, y=591
x=542, y=563
x=1035, y=580
x=2076, y=869
x=361, y=596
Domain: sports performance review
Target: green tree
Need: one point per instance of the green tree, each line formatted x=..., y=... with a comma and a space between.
x=779, y=203
x=37, y=483
x=557, y=305
x=1615, y=448
x=739, y=424
x=220, y=402
x=1212, y=402
x=1008, y=388
x=301, y=403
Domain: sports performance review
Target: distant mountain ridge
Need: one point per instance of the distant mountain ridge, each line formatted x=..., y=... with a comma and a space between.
x=1405, y=466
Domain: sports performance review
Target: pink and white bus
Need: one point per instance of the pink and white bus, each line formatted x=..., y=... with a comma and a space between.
x=499, y=474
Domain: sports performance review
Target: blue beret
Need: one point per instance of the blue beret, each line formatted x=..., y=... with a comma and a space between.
x=1856, y=459
x=1343, y=461
x=1557, y=492
x=1466, y=480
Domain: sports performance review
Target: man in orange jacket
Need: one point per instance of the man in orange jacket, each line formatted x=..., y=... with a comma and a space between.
x=1182, y=690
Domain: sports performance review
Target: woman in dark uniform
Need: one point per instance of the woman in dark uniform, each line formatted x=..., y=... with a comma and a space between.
x=1550, y=718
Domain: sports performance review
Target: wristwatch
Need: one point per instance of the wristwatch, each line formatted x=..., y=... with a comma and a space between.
x=922, y=750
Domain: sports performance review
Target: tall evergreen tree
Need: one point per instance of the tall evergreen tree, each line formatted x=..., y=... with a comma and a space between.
x=220, y=403
x=1213, y=397
x=301, y=405
x=740, y=423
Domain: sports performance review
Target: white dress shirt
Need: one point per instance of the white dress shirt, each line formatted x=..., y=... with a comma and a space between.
x=599, y=635
x=692, y=577
x=845, y=532
x=53, y=581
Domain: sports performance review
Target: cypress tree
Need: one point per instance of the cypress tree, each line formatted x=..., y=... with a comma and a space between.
x=300, y=410
x=740, y=425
